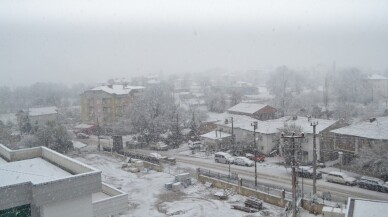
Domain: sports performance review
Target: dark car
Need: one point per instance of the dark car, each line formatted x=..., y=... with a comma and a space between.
x=307, y=172
x=371, y=183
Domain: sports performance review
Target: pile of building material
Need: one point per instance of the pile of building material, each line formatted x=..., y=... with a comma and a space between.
x=177, y=186
x=134, y=167
x=252, y=204
x=184, y=178
x=221, y=195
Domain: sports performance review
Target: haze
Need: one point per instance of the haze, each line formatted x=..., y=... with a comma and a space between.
x=92, y=41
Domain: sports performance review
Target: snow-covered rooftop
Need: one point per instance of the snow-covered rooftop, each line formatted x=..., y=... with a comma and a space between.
x=36, y=170
x=377, y=77
x=365, y=207
x=216, y=135
x=83, y=126
x=42, y=111
x=247, y=108
x=378, y=129
x=117, y=89
x=273, y=126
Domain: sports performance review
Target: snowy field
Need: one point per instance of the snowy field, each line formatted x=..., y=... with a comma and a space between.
x=147, y=196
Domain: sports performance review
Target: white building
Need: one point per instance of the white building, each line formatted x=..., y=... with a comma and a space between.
x=216, y=140
x=41, y=182
x=40, y=115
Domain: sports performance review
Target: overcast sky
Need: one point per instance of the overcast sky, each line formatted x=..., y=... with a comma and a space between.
x=70, y=41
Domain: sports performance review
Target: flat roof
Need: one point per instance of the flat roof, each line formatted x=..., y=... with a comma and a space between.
x=36, y=170
x=370, y=208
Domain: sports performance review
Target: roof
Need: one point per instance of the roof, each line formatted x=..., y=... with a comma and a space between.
x=42, y=111
x=117, y=89
x=83, y=126
x=36, y=170
x=247, y=108
x=372, y=130
x=216, y=135
x=273, y=126
x=377, y=77
x=365, y=207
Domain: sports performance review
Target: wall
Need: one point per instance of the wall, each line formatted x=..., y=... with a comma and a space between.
x=75, y=207
x=277, y=200
x=115, y=205
x=14, y=198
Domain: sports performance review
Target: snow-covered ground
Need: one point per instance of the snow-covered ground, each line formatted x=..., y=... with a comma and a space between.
x=148, y=197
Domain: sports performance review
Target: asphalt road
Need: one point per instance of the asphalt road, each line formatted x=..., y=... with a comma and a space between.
x=338, y=192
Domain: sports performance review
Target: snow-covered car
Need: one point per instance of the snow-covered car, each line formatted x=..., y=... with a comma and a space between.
x=307, y=172
x=160, y=146
x=341, y=178
x=223, y=157
x=157, y=156
x=243, y=161
x=257, y=158
x=371, y=183
x=195, y=145
x=82, y=136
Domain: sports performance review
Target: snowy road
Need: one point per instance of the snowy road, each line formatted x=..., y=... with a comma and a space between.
x=280, y=177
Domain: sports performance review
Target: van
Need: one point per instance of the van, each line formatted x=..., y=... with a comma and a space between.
x=340, y=178
x=222, y=157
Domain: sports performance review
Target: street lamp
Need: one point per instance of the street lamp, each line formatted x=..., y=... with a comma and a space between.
x=254, y=124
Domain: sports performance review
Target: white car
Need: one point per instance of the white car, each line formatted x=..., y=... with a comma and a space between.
x=195, y=145
x=243, y=161
x=341, y=178
x=223, y=157
x=157, y=156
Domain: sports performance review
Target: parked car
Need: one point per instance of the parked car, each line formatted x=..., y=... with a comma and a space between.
x=160, y=146
x=257, y=158
x=195, y=145
x=307, y=172
x=310, y=163
x=158, y=156
x=243, y=161
x=82, y=136
x=340, y=178
x=371, y=183
x=222, y=157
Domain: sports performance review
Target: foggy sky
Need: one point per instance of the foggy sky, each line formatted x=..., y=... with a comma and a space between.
x=91, y=41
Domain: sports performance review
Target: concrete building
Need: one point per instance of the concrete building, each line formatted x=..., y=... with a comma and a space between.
x=253, y=110
x=40, y=182
x=107, y=103
x=378, y=85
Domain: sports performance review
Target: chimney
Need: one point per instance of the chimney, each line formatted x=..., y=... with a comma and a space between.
x=110, y=85
x=371, y=120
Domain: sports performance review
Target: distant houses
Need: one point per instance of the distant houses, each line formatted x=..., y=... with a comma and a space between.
x=350, y=139
x=40, y=115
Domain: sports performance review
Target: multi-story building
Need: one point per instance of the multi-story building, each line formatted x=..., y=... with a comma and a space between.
x=107, y=103
x=40, y=182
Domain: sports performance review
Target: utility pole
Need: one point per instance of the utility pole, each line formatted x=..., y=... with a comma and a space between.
x=98, y=135
x=314, y=125
x=233, y=137
x=293, y=166
x=254, y=124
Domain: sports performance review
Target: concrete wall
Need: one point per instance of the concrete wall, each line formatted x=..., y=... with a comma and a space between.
x=75, y=207
x=15, y=195
x=5, y=152
x=65, y=162
x=277, y=200
x=67, y=188
x=21, y=154
x=115, y=205
x=152, y=166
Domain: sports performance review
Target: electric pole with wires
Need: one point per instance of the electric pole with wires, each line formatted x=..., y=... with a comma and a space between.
x=314, y=125
x=293, y=166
